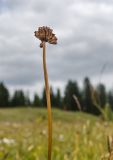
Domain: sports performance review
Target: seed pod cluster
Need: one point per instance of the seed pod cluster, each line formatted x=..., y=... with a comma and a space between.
x=45, y=34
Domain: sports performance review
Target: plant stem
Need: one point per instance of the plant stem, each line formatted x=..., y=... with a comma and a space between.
x=48, y=102
x=109, y=157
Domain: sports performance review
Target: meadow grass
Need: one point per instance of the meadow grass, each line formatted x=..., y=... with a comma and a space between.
x=76, y=136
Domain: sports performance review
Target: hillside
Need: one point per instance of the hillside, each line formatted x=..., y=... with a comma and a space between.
x=76, y=136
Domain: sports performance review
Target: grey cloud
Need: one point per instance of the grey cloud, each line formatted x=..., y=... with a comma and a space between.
x=84, y=29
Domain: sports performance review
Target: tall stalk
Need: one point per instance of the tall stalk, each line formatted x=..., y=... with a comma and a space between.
x=45, y=34
x=48, y=102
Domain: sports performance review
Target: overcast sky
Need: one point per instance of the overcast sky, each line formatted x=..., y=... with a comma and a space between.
x=85, y=42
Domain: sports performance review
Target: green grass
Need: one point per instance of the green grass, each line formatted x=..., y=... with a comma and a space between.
x=76, y=136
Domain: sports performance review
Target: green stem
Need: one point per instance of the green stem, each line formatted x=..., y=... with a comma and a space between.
x=48, y=102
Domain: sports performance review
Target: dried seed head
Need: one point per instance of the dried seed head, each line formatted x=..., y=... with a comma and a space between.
x=45, y=34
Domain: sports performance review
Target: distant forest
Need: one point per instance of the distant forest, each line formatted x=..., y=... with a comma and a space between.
x=86, y=99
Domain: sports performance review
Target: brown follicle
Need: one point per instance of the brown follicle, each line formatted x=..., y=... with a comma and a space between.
x=45, y=34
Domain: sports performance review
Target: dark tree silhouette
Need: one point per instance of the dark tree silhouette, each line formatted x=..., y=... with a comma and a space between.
x=110, y=99
x=88, y=99
x=18, y=98
x=70, y=90
x=36, y=101
x=53, y=98
x=43, y=99
x=102, y=95
x=58, y=99
x=4, y=96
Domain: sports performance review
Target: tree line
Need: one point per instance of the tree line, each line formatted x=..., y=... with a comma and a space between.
x=74, y=98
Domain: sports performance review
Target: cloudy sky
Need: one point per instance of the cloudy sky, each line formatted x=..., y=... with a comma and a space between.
x=85, y=42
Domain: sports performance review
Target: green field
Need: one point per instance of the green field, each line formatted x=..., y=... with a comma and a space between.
x=76, y=136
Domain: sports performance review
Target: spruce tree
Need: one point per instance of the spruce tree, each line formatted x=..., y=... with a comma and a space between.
x=71, y=89
x=4, y=96
x=36, y=101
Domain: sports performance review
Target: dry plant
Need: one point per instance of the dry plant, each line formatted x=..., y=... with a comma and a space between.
x=109, y=156
x=45, y=34
x=105, y=111
x=106, y=116
x=77, y=102
x=110, y=147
